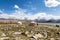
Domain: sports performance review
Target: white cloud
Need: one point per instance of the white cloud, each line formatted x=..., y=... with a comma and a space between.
x=16, y=6
x=3, y=16
x=51, y=3
x=43, y=16
x=20, y=14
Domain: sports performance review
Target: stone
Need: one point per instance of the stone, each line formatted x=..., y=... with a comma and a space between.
x=3, y=34
x=52, y=39
x=38, y=36
x=26, y=32
x=17, y=33
x=20, y=23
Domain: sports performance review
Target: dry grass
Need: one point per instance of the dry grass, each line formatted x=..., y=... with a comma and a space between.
x=9, y=29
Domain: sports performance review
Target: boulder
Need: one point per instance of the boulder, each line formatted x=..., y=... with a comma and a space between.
x=52, y=39
x=38, y=36
x=19, y=22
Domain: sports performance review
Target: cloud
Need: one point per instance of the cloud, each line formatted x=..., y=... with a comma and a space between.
x=42, y=16
x=21, y=14
x=29, y=16
x=16, y=6
x=51, y=3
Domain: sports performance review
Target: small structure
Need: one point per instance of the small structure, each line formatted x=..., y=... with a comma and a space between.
x=33, y=23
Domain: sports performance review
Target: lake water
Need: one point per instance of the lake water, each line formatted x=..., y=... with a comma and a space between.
x=52, y=24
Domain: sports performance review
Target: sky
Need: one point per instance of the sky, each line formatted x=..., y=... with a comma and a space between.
x=30, y=9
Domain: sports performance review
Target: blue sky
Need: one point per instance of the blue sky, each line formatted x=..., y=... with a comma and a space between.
x=29, y=8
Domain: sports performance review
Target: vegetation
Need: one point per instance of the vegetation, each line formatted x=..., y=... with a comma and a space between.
x=28, y=32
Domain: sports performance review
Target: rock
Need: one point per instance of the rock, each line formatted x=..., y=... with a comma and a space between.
x=45, y=34
x=38, y=36
x=52, y=39
x=17, y=26
x=20, y=22
x=32, y=38
x=23, y=26
x=17, y=33
x=59, y=32
x=3, y=34
x=29, y=34
x=4, y=38
x=26, y=32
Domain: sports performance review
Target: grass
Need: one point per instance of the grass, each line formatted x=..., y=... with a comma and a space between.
x=52, y=32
